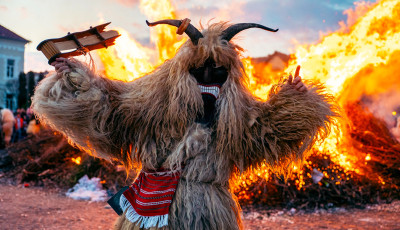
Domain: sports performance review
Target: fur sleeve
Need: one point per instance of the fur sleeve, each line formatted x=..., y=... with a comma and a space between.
x=291, y=122
x=90, y=110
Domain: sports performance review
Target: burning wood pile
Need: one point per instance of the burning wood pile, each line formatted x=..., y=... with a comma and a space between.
x=48, y=160
x=322, y=183
x=359, y=162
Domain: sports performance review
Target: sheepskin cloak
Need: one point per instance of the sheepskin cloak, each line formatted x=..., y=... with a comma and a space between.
x=150, y=123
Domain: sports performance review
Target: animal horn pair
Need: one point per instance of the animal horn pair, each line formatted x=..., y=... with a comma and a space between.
x=194, y=34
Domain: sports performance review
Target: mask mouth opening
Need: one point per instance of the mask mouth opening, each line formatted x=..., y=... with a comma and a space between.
x=210, y=89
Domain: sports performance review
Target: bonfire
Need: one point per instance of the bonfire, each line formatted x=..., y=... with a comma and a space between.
x=360, y=63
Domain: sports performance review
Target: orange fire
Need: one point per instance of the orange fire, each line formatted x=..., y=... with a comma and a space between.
x=128, y=60
x=345, y=61
x=77, y=160
x=340, y=59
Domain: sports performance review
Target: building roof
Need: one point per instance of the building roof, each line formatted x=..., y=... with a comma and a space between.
x=282, y=56
x=8, y=34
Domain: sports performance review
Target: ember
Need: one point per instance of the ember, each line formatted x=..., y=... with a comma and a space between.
x=76, y=160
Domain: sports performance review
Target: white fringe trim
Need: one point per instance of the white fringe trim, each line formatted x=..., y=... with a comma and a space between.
x=145, y=221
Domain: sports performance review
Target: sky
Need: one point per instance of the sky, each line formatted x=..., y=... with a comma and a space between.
x=299, y=21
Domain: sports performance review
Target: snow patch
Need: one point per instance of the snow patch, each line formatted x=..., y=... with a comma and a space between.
x=88, y=189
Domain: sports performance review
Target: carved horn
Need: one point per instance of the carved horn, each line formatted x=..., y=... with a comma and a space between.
x=231, y=31
x=193, y=33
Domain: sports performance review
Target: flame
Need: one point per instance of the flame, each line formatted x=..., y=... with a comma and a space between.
x=341, y=60
x=341, y=56
x=164, y=36
x=128, y=60
x=261, y=77
x=346, y=61
x=76, y=160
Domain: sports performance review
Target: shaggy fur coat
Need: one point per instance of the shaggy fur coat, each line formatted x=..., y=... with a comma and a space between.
x=150, y=123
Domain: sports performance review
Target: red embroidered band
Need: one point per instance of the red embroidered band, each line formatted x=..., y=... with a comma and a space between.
x=148, y=199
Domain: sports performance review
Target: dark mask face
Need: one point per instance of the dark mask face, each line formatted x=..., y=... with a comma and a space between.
x=210, y=73
x=210, y=77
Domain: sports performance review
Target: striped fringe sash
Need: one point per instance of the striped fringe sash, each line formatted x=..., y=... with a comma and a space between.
x=148, y=199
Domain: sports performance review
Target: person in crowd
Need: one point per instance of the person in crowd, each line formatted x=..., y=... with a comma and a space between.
x=18, y=127
x=6, y=126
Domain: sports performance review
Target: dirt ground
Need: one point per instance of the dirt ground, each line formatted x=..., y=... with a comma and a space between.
x=35, y=208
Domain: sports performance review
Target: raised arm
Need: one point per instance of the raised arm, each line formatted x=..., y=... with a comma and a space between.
x=95, y=113
x=291, y=121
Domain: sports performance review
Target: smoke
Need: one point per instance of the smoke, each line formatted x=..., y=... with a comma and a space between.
x=24, y=12
x=36, y=61
x=353, y=15
x=3, y=8
x=385, y=106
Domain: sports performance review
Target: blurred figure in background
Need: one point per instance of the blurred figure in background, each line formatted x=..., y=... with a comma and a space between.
x=7, y=123
x=34, y=126
x=18, y=127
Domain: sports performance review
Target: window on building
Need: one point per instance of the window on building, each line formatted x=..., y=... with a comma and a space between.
x=10, y=68
x=9, y=101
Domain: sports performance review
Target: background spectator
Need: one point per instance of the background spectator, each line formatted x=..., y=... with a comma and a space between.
x=7, y=124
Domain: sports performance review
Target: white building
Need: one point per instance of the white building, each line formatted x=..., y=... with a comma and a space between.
x=12, y=49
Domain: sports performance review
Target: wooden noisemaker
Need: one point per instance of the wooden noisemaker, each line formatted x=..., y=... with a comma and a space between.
x=75, y=44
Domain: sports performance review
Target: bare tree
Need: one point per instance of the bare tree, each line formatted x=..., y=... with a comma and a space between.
x=22, y=93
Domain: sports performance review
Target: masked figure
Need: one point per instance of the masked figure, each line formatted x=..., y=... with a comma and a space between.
x=189, y=125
